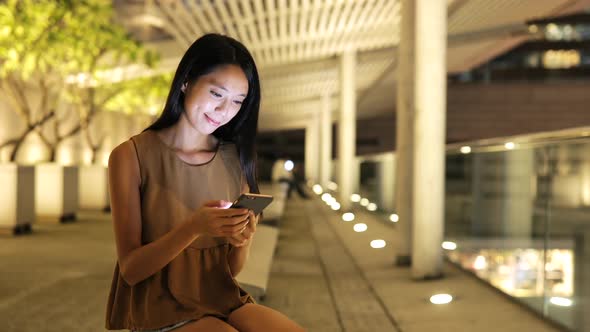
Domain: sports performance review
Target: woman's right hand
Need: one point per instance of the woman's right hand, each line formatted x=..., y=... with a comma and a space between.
x=216, y=219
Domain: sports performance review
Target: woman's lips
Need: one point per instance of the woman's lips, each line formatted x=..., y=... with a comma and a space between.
x=211, y=121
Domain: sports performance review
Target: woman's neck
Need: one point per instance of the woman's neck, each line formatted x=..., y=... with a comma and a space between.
x=183, y=137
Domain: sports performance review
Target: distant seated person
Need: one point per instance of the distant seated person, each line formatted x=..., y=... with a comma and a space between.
x=297, y=182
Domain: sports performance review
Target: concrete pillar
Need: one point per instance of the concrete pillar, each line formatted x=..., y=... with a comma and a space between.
x=405, y=134
x=347, y=128
x=518, y=197
x=326, y=141
x=312, y=148
x=386, y=182
x=429, y=138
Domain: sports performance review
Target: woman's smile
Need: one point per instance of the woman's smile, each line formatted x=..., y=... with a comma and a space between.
x=211, y=121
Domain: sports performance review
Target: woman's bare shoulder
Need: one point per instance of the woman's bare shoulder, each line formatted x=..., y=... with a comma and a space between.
x=123, y=159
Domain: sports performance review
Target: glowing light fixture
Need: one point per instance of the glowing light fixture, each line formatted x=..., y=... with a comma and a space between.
x=326, y=197
x=289, y=165
x=448, y=245
x=561, y=301
x=465, y=149
x=394, y=217
x=510, y=145
x=480, y=263
x=332, y=186
x=360, y=227
x=317, y=189
x=348, y=216
x=336, y=206
x=378, y=244
x=372, y=207
x=355, y=198
x=364, y=202
x=441, y=299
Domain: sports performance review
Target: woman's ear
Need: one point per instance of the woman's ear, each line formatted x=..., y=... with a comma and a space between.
x=183, y=87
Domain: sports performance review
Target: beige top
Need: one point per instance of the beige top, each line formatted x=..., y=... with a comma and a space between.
x=198, y=282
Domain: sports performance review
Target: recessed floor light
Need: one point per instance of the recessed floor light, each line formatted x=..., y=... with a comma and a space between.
x=441, y=299
x=378, y=244
x=448, y=245
x=561, y=301
x=348, y=216
x=360, y=227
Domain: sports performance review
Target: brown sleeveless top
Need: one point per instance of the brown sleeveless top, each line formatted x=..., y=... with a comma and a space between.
x=198, y=282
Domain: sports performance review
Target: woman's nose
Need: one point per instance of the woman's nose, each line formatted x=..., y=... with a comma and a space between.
x=222, y=106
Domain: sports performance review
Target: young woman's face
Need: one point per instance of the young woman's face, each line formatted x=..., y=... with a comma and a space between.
x=214, y=99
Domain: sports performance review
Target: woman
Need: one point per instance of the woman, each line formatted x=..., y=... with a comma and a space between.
x=179, y=247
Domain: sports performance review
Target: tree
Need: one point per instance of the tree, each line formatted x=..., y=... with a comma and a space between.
x=145, y=95
x=46, y=43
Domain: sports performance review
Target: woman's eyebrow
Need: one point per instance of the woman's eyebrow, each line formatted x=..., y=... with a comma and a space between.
x=224, y=89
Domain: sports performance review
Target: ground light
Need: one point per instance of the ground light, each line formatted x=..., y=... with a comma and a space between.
x=372, y=207
x=465, y=149
x=360, y=227
x=326, y=197
x=364, y=202
x=335, y=206
x=561, y=301
x=441, y=299
x=348, y=216
x=355, y=198
x=378, y=244
x=448, y=245
x=332, y=186
x=317, y=189
x=394, y=218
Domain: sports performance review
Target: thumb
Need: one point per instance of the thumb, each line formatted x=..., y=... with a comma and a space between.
x=218, y=204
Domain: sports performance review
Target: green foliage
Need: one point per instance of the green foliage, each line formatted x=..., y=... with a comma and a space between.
x=62, y=38
x=145, y=95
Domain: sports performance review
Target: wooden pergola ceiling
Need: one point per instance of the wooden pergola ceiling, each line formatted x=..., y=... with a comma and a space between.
x=296, y=43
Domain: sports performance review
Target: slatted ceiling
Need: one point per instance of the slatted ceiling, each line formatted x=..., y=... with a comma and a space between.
x=282, y=31
x=296, y=43
x=320, y=78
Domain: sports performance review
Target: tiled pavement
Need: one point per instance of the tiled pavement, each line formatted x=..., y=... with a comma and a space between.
x=324, y=276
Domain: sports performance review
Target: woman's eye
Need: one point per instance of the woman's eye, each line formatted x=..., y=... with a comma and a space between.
x=237, y=102
x=215, y=94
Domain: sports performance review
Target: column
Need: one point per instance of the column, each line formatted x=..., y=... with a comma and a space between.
x=404, y=149
x=429, y=138
x=312, y=149
x=326, y=140
x=347, y=127
x=386, y=182
x=519, y=195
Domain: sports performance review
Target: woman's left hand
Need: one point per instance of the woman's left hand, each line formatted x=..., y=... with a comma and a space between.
x=245, y=236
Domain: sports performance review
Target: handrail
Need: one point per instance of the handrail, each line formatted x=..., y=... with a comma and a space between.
x=497, y=144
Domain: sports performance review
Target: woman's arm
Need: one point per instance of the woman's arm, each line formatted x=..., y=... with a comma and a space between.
x=137, y=262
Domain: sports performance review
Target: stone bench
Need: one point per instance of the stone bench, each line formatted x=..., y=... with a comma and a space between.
x=274, y=212
x=254, y=276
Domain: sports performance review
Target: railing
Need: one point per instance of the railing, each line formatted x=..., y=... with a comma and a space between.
x=517, y=215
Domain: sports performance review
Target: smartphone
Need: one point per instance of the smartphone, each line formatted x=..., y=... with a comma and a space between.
x=254, y=202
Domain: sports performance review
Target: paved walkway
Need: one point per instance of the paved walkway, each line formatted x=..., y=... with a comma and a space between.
x=324, y=276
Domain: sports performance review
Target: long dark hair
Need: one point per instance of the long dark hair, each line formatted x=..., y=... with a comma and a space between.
x=204, y=56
